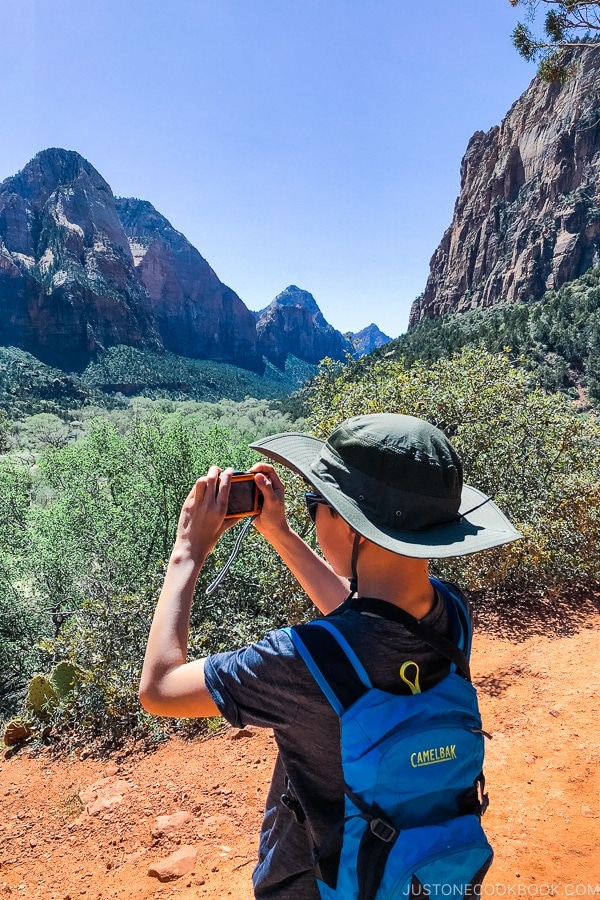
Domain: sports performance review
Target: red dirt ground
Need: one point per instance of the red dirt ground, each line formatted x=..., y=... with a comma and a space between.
x=539, y=695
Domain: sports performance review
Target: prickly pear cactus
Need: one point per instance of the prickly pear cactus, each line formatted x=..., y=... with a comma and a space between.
x=18, y=729
x=40, y=695
x=63, y=678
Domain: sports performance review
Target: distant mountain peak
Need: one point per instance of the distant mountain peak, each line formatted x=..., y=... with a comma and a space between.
x=295, y=296
x=197, y=315
x=368, y=339
x=68, y=287
x=293, y=323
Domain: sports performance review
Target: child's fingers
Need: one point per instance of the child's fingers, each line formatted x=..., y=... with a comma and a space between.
x=267, y=470
x=267, y=489
x=206, y=487
x=223, y=486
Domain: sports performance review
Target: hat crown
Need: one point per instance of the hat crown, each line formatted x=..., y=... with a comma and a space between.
x=400, y=452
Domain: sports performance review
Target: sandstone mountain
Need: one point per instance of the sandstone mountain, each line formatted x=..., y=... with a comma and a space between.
x=68, y=285
x=293, y=323
x=196, y=315
x=528, y=215
x=82, y=271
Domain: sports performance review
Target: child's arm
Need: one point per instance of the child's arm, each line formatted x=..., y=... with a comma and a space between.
x=325, y=588
x=171, y=686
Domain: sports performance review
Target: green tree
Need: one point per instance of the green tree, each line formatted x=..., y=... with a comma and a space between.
x=555, y=338
x=113, y=504
x=40, y=431
x=567, y=24
x=22, y=619
x=5, y=431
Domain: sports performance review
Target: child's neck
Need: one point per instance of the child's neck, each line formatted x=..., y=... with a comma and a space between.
x=405, y=583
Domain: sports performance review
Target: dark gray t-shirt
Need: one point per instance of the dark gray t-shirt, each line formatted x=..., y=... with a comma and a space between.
x=268, y=684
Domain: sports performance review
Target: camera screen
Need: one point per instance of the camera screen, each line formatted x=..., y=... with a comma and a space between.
x=241, y=497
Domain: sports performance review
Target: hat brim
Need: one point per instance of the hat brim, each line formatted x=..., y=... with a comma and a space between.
x=481, y=525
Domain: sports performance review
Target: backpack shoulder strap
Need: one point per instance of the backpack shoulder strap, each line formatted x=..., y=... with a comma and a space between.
x=461, y=626
x=454, y=650
x=339, y=672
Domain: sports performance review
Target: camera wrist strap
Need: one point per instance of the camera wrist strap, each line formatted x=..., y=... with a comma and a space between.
x=236, y=549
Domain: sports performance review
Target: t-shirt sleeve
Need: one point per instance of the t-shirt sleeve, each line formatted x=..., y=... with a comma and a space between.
x=257, y=685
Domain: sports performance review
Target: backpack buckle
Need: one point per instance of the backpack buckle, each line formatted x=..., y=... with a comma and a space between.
x=383, y=830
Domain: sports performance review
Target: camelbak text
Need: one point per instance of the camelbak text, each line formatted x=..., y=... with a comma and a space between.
x=435, y=755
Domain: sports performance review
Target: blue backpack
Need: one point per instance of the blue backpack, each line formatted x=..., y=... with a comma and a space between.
x=412, y=764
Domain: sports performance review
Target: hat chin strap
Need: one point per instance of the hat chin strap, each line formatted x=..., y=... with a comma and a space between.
x=354, y=565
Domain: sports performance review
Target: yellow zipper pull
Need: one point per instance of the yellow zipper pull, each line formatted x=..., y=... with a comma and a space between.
x=414, y=686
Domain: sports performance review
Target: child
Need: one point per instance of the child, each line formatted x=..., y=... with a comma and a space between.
x=387, y=495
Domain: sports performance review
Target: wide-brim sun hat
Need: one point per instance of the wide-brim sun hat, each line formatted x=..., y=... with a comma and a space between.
x=396, y=480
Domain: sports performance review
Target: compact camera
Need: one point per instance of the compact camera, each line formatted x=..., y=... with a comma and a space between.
x=244, y=497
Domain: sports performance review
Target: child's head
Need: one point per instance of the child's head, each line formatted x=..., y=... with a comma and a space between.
x=397, y=481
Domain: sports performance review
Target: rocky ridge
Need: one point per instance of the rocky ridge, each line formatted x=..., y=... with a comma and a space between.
x=82, y=271
x=368, y=339
x=528, y=215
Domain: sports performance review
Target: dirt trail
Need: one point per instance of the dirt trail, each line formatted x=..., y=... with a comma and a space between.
x=539, y=698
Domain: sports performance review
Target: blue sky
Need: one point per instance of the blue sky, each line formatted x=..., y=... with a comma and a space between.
x=308, y=142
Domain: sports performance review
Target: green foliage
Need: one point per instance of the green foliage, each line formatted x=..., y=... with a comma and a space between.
x=92, y=551
x=116, y=503
x=64, y=677
x=248, y=418
x=5, y=427
x=567, y=24
x=45, y=694
x=127, y=370
x=41, y=430
x=28, y=386
x=530, y=450
x=104, y=642
x=557, y=338
x=21, y=624
x=95, y=517
x=21, y=617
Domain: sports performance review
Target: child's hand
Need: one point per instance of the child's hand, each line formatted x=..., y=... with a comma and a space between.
x=202, y=519
x=272, y=520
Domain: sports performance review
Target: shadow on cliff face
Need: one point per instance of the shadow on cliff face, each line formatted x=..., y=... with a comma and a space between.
x=524, y=615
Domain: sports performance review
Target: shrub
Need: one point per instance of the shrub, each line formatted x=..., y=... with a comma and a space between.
x=104, y=640
x=556, y=338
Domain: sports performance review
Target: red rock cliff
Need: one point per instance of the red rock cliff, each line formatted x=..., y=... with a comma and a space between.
x=293, y=323
x=528, y=215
